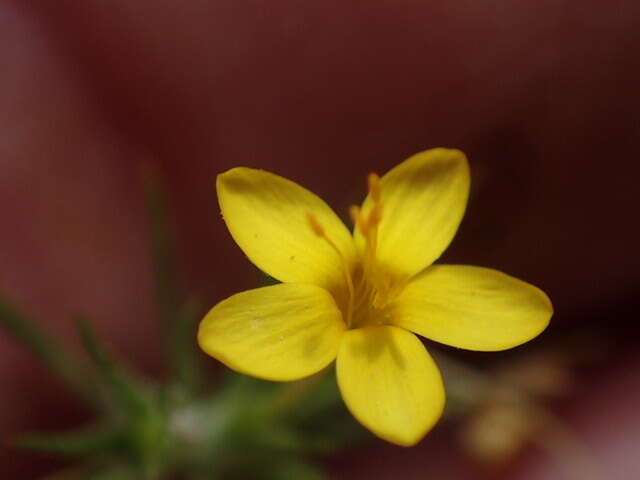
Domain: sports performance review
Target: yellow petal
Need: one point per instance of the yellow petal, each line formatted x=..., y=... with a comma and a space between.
x=282, y=332
x=390, y=383
x=424, y=199
x=267, y=216
x=472, y=307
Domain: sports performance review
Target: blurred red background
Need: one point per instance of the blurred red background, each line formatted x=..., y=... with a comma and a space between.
x=541, y=95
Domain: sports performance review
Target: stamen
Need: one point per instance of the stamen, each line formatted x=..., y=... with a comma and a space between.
x=372, y=221
x=319, y=230
x=375, y=192
x=358, y=219
x=375, y=216
x=374, y=187
x=375, y=290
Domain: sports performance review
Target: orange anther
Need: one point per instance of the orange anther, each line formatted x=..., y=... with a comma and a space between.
x=356, y=217
x=374, y=187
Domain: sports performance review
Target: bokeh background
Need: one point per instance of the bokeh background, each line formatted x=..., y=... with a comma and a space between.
x=542, y=96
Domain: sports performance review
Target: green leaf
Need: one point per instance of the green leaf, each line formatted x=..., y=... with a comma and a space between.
x=167, y=291
x=61, y=361
x=124, y=389
x=116, y=472
x=76, y=443
x=178, y=317
x=146, y=423
x=295, y=468
x=186, y=354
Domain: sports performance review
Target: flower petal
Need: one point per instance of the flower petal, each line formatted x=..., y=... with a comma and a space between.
x=267, y=216
x=472, y=307
x=424, y=199
x=282, y=332
x=390, y=383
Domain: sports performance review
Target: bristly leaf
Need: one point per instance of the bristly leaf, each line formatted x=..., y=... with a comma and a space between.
x=175, y=314
x=99, y=471
x=187, y=355
x=122, y=387
x=42, y=344
x=145, y=423
x=115, y=473
x=168, y=292
x=74, y=444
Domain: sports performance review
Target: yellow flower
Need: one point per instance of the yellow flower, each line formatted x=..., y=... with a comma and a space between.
x=357, y=298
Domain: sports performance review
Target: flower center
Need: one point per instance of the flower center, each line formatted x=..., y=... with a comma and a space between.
x=370, y=288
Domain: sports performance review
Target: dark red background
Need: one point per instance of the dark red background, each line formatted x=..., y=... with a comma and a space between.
x=542, y=95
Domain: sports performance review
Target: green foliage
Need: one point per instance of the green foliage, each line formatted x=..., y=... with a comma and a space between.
x=238, y=428
x=72, y=444
x=59, y=360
